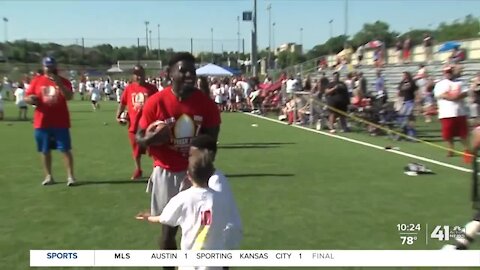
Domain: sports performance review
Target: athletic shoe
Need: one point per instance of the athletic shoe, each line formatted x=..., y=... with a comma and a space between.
x=449, y=247
x=70, y=181
x=136, y=175
x=48, y=181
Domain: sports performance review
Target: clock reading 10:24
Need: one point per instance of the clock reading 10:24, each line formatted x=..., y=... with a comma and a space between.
x=409, y=227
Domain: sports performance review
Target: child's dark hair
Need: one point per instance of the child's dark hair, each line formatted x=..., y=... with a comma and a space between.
x=181, y=56
x=200, y=167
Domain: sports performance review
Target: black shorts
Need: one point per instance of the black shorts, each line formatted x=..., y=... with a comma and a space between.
x=94, y=102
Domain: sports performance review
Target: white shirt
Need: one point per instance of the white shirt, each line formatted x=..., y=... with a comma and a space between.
x=108, y=88
x=245, y=86
x=95, y=94
x=118, y=93
x=447, y=108
x=291, y=86
x=234, y=229
x=19, y=97
x=81, y=87
x=203, y=214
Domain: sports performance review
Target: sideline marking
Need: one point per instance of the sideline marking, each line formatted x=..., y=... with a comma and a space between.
x=458, y=168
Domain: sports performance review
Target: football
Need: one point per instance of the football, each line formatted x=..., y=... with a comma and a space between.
x=124, y=118
x=454, y=91
x=159, y=132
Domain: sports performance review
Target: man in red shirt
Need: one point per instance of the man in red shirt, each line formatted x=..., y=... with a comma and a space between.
x=49, y=93
x=188, y=112
x=133, y=98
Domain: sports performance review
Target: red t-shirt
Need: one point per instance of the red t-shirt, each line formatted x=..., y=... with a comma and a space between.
x=185, y=118
x=134, y=97
x=51, y=110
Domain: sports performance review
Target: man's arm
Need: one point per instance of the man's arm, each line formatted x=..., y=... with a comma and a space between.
x=66, y=91
x=212, y=132
x=30, y=97
x=121, y=108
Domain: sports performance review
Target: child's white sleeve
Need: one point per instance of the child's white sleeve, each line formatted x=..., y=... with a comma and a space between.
x=234, y=231
x=172, y=213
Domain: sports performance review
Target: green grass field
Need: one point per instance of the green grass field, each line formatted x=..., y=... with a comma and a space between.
x=295, y=189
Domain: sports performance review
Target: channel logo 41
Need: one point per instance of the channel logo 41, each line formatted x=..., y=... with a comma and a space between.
x=446, y=232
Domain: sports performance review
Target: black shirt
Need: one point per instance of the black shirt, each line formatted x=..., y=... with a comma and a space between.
x=339, y=95
x=407, y=90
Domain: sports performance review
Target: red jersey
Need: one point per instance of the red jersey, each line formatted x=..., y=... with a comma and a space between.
x=51, y=110
x=185, y=119
x=134, y=97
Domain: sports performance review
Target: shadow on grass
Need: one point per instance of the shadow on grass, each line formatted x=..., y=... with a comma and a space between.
x=431, y=139
x=111, y=182
x=253, y=145
x=241, y=175
x=7, y=120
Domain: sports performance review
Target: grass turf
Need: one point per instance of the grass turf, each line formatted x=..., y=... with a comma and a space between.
x=295, y=189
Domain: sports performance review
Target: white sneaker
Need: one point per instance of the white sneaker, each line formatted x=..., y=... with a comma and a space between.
x=48, y=181
x=70, y=182
x=449, y=247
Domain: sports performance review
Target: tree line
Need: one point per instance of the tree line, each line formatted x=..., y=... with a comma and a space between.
x=26, y=51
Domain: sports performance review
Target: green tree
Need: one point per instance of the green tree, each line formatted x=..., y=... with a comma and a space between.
x=468, y=28
x=375, y=31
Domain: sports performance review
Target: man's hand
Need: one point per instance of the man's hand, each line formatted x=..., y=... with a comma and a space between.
x=32, y=100
x=57, y=80
x=142, y=216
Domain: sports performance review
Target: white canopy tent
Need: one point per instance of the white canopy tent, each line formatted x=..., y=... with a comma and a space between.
x=114, y=69
x=213, y=70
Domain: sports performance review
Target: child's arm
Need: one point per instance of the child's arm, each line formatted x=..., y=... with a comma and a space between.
x=171, y=214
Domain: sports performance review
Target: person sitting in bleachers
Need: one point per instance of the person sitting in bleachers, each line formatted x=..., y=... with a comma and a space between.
x=457, y=56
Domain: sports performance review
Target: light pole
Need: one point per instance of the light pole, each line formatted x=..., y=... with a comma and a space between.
x=158, y=35
x=211, y=30
x=269, y=8
x=146, y=36
x=301, y=36
x=150, y=38
x=254, y=47
x=5, y=22
x=331, y=28
x=273, y=37
x=238, y=38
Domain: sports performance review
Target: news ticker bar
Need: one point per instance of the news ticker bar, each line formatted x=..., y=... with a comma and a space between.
x=254, y=258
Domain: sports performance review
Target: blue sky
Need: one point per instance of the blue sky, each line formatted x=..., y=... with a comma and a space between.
x=121, y=22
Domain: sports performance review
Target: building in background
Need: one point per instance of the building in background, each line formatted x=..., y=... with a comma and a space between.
x=289, y=47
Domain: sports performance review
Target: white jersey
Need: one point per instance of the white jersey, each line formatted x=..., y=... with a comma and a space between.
x=19, y=97
x=118, y=93
x=95, y=94
x=81, y=87
x=203, y=214
x=447, y=108
x=108, y=88
x=234, y=230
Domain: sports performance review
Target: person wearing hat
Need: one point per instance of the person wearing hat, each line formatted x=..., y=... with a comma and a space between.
x=452, y=110
x=132, y=100
x=49, y=93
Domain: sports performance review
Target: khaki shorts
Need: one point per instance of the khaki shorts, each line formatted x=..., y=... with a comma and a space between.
x=164, y=185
